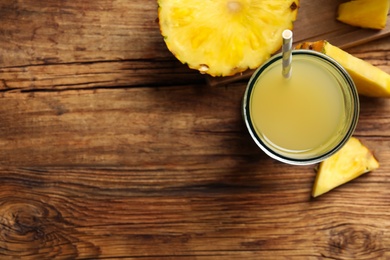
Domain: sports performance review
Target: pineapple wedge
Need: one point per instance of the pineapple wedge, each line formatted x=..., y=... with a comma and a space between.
x=224, y=37
x=348, y=163
x=369, y=80
x=364, y=13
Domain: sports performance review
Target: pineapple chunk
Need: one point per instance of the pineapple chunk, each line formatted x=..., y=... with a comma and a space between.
x=348, y=163
x=364, y=13
x=369, y=80
x=225, y=37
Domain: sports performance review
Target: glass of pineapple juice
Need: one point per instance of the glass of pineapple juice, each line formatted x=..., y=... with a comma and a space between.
x=303, y=119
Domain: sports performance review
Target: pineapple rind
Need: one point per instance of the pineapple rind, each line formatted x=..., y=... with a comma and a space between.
x=210, y=37
x=351, y=161
x=369, y=80
x=364, y=13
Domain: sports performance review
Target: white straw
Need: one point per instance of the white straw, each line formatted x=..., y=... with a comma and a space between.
x=286, y=50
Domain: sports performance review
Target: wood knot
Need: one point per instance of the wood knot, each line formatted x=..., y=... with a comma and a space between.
x=355, y=242
x=30, y=227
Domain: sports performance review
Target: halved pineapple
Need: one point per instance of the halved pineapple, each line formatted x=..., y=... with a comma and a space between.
x=348, y=163
x=364, y=13
x=225, y=37
x=369, y=80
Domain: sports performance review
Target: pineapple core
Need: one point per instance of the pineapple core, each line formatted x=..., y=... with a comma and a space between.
x=234, y=6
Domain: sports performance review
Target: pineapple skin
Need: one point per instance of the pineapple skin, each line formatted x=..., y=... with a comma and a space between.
x=351, y=161
x=220, y=42
x=364, y=13
x=369, y=80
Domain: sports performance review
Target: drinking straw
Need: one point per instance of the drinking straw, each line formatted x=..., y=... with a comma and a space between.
x=286, y=52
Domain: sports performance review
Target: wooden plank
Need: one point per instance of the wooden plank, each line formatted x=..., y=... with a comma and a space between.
x=48, y=32
x=317, y=21
x=106, y=74
x=258, y=208
x=130, y=73
x=136, y=127
x=62, y=213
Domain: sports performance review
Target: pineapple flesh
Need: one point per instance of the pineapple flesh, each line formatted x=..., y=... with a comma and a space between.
x=351, y=161
x=364, y=13
x=369, y=80
x=225, y=37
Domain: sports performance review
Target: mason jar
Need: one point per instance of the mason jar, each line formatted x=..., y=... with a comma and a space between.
x=303, y=119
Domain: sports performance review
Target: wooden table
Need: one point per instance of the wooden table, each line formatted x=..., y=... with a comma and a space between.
x=111, y=148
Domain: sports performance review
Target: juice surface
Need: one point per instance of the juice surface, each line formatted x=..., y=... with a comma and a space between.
x=300, y=113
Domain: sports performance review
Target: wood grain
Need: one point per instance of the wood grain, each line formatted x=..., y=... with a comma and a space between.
x=172, y=172
x=99, y=74
x=92, y=219
x=111, y=149
x=48, y=32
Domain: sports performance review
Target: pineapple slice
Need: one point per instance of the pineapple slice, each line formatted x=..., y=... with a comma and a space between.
x=225, y=37
x=348, y=163
x=364, y=13
x=369, y=80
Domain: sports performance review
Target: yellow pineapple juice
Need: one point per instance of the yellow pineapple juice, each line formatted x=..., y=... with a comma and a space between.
x=305, y=118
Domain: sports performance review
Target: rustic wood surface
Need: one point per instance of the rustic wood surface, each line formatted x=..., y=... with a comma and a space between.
x=110, y=148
